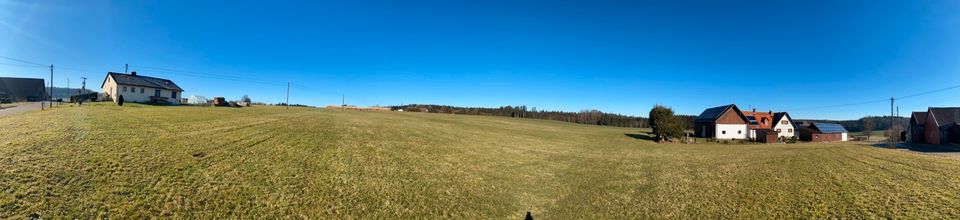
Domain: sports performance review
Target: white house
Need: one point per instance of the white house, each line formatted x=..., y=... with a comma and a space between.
x=784, y=125
x=142, y=89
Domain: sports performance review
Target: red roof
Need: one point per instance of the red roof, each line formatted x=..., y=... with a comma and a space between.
x=759, y=120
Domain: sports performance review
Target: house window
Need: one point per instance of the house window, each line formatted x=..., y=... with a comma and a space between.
x=783, y=122
x=723, y=132
x=124, y=89
x=790, y=130
x=156, y=92
x=173, y=94
x=778, y=130
x=816, y=136
x=141, y=90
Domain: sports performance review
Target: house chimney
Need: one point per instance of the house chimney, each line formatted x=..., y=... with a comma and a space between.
x=134, y=73
x=754, y=109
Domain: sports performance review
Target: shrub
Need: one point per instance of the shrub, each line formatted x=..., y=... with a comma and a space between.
x=120, y=100
x=665, y=125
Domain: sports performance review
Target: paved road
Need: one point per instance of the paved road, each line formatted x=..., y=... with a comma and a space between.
x=21, y=108
x=945, y=151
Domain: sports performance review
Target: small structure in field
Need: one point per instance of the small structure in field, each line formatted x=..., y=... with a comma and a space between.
x=722, y=122
x=197, y=100
x=220, y=101
x=823, y=132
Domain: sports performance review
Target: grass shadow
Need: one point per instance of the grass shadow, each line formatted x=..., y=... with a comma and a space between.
x=643, y=136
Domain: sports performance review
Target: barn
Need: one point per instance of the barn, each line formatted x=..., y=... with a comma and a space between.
x=942, y=126
x=823, y=132
x=21, y=89
x=722, y=122
x=917, y=121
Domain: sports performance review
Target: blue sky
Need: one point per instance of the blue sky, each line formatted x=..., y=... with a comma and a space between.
x=616, y=56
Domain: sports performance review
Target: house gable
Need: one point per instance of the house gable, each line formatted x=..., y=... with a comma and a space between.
x=732, y=115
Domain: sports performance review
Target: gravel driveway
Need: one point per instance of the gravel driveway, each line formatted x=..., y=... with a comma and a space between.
x=25, y=107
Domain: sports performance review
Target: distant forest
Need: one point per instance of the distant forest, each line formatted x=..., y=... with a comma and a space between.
x=592, y=117
x=597, y=117
x=65, y=93
x=880, y=123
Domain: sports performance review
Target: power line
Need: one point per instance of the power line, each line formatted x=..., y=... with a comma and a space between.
x=929, y=92
x=22, y=65
x=841, y=105
x=221, y=76
x=23, y=61
x=879, y=100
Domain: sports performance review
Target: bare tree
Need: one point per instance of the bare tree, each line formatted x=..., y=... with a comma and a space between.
x=868, y=126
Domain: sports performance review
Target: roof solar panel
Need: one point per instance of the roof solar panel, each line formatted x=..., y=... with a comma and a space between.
x=830, y=128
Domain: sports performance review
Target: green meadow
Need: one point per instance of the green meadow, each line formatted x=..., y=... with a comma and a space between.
x=140, y=161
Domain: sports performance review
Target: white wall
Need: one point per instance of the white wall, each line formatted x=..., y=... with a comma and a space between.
x=785, y=128
x=843, y=137
x=734, y=131
x=133, y=94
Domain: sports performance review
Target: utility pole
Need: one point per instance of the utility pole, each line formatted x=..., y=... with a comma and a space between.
x=288, y=95
x=51, y=85
x=84, y=87
x=892, y=142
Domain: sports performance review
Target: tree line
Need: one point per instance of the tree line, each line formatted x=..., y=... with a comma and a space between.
x=871, y=123
x=592, y=116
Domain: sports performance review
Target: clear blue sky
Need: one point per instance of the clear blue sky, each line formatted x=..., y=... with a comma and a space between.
x=616, y=56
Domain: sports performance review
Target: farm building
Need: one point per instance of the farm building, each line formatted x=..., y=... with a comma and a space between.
x=915, y=131
x=142, y=89
x=823, y=132
x=722, y=122
x=942, y=126
x=21, y=89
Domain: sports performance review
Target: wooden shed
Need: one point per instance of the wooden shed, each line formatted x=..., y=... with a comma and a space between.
x=767, y=136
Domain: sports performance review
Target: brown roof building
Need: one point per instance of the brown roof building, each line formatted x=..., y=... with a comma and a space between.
x=942, y=126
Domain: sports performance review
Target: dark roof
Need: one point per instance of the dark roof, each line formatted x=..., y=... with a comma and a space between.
x=145, y=81
x=712, y=114
x=828, y=128
x=20, y=88
x=945, y=116
x=778, y=116
x=919, y=117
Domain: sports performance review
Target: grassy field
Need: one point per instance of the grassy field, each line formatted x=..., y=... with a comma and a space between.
x=141, y=161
